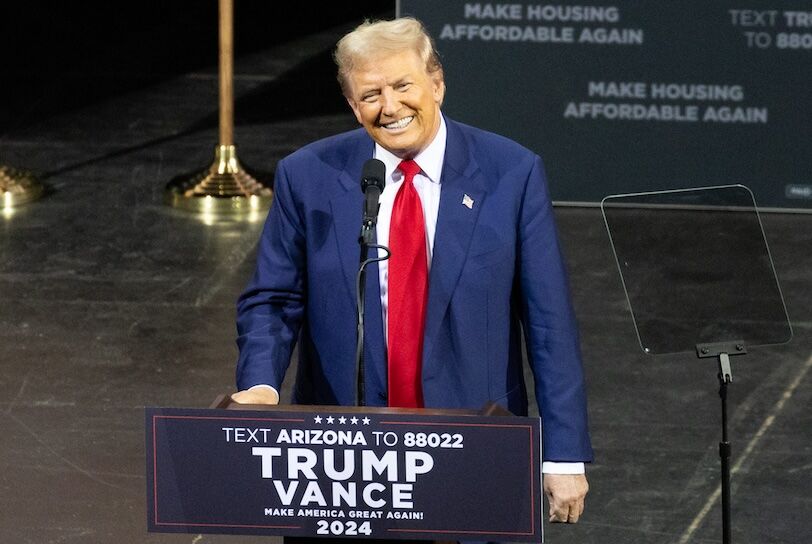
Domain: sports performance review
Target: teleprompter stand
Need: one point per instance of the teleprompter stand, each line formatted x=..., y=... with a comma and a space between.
x=723, y=351
x=698, y=277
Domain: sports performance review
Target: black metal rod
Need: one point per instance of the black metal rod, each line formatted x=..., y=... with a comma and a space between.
x=360, y=290
x=360, y=299
x=724, y=456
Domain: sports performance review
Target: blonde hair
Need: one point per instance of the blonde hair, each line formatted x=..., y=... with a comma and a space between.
x=372, y=38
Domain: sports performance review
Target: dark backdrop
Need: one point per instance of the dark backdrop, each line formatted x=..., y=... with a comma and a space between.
x=57, y=56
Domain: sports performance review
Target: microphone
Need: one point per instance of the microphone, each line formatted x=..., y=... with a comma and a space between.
x=372, y=183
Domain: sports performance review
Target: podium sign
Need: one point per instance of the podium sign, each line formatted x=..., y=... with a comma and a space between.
x=344, y=472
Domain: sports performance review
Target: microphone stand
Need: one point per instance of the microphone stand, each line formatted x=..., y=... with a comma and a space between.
x=367, y=231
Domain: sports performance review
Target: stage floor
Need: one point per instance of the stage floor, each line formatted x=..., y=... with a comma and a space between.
x=111, y=301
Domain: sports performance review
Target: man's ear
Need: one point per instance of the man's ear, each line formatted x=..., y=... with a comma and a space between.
x=438, y=89
x=354, y=107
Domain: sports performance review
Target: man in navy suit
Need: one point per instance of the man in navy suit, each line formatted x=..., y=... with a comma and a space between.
x=492, y=254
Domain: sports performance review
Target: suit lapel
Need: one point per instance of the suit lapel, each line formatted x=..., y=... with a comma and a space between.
x=461, y=178
x=346, y=208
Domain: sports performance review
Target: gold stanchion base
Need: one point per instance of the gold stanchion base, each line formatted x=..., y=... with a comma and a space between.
x=224, y=188
x=18, y=187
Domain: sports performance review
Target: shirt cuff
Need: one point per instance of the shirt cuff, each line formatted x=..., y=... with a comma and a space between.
x=264, y=386
x=551, y=467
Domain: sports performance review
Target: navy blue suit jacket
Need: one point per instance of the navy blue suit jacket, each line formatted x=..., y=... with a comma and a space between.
x=496, y=266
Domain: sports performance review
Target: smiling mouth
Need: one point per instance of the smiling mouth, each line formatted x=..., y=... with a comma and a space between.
x=401, y=123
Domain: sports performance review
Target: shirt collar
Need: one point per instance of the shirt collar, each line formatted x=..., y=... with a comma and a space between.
x=430, y=159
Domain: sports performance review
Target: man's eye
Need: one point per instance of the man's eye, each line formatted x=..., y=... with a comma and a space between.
x=371, y=97
x=403, y=86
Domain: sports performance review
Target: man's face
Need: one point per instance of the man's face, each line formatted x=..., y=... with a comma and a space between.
x=397, y=101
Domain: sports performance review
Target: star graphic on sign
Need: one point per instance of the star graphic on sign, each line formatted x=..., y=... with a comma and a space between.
x=342, y=420
x=354, y=420
x=366, y=421
x=330, y=419
x=317, y=419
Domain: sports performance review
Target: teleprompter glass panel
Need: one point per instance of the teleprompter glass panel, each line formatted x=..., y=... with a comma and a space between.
x=696, y=268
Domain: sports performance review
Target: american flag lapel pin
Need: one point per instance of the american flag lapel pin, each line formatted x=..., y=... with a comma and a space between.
x=468, y=202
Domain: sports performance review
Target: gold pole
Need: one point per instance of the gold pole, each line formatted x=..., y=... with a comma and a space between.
x=226, y=72
x=224, y=187
x=17, y=187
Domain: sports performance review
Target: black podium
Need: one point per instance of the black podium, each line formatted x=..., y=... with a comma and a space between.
x=345, y=472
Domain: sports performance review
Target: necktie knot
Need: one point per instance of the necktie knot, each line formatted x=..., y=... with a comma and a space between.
x=409, y=169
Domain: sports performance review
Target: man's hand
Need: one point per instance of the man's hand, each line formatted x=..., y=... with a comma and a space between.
x=566, y=493
x=256, y=395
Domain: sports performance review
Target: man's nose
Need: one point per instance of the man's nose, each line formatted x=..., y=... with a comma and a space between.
x=390, y=103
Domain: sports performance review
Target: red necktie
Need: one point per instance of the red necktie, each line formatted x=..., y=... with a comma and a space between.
x=407, y=291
